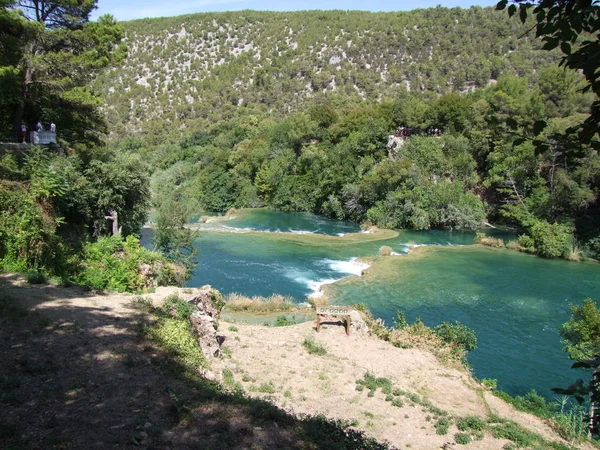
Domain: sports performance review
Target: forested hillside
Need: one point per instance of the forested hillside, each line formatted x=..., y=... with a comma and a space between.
x=188, y=72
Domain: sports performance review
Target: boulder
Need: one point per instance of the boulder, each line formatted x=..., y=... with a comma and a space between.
x=208, y=301
x=358, y=325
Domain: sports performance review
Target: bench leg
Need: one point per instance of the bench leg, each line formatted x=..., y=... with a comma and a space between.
x=318, y=322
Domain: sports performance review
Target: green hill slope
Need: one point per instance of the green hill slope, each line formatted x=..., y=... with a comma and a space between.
x=185, y=72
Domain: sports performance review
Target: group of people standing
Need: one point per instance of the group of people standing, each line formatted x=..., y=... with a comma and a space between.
x=403, y=131
x=39, y=127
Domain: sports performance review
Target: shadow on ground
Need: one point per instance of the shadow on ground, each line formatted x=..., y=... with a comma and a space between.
x=81, y=376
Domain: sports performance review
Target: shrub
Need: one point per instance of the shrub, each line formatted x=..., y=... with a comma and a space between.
x=462, y=438
x=490, y=383
x=182, y=308
x=482, y=239
x=592, y=247
x=385, y=250
x=514, y=245
x=526, y=243
x=401, y=322
x=35, y=277
x=283, y=321
x=457, y=334
x=551, y=240
x=120, y=264
x=313, y=347
x=442, y=425
x=473, y=423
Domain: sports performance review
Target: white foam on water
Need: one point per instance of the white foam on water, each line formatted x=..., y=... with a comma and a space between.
x=351, y=267
x=341, y=234
x=302, y=232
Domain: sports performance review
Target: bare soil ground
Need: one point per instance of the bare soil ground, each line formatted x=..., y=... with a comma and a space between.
x=77, y=373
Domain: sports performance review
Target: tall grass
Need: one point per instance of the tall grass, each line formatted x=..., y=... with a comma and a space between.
x=274, y=303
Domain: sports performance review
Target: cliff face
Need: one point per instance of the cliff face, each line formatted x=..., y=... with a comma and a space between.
x=188, y=71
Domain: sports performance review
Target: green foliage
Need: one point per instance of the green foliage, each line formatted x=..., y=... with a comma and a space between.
x=53, y=53
x=173, y=239
x=313, y=347
x=531, y=402
x=581, y=334
x=182, y=308
x=174, y=334
x=471, y=423
x=35, y=277
x=550, y=240
x=442, y=425
x=457, y=334
x=462, y=438
x=115, y=263
x=490, y=383
x=120, y=184
x=513, y=432
x=401, y=322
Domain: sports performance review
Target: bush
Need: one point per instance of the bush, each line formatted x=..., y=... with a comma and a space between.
x=182, y=308
x=482, y=239
x=526, y=242
x=442, y=426
x=385, y=250
x=121, y=265
x=35, y=277
x=593, y=247
x=313, y=347
x=551, y=240
x=473, y=423
x=462, y=438
x=457, y=334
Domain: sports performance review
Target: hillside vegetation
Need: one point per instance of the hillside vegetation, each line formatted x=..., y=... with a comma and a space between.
x=190, y=71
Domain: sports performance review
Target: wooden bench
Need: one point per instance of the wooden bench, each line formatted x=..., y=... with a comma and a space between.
x=337, y=311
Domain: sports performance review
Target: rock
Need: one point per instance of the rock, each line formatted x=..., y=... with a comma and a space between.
x=358, y=325
x=208, y=301
x=147, y=425
x=204, y=330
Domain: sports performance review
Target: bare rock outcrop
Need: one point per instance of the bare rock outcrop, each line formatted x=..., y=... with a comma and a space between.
x=204, y=321
x=358, y=326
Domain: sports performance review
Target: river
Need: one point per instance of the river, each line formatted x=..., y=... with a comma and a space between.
x=515, y=302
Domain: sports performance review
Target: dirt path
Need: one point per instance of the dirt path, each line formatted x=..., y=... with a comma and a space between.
x=75, y=373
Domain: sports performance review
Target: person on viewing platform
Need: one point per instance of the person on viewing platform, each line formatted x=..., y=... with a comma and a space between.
x=39, y=126
x=52, y=127
x=23, y=132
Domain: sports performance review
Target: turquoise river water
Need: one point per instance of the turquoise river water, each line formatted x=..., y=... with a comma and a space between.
x=514, y=302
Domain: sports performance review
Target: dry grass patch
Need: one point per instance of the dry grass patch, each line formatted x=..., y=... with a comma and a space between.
x=274, y=303
x=488, y=241
x=385, y=250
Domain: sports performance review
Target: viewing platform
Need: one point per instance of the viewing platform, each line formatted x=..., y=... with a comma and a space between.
x=42, y=137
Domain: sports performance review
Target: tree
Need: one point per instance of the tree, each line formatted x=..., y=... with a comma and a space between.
x=573, y=26
x=581, y=337
x=53, y=54
x=173, y=238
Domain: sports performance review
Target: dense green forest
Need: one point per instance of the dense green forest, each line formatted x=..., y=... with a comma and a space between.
x=190, y=72
x=292, y=111
x=54, y=201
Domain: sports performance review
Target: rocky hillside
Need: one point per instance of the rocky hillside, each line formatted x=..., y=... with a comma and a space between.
x=186, y=72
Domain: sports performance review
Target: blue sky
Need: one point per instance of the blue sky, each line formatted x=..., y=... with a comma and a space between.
x=137, y=9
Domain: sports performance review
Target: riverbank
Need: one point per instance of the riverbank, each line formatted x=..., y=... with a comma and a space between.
x=78, y=373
